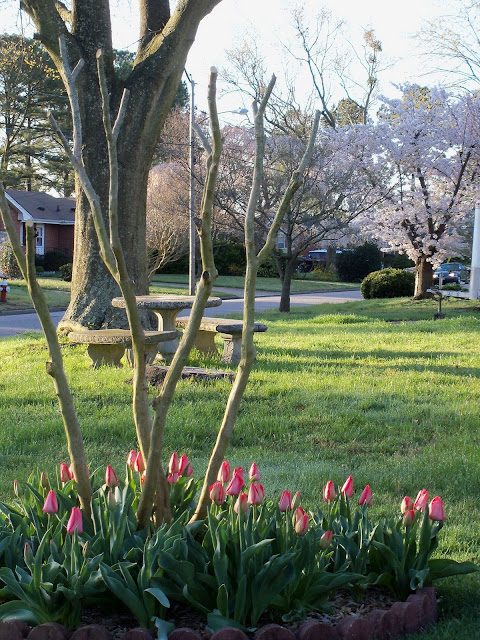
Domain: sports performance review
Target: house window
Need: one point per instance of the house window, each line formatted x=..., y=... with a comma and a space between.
x=40, y=239
x=281, y=240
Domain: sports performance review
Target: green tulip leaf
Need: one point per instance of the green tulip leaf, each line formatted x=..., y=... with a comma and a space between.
x=443, y=568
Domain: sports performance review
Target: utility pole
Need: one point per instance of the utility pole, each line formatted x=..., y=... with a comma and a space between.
x=475, y=266
x=191, y=162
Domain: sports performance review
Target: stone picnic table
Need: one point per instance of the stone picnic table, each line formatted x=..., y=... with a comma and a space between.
x=166, y=308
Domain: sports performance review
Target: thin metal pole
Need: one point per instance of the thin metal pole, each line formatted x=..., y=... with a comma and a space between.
x=475, y=266
x=192, y=230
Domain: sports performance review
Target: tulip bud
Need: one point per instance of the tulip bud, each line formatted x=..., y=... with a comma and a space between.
x=173, y=463
x=65, y=474
x=75, y=521
x=87, y=550
x=17, y=489
x=301, y=526
x=436, y=510
x=347, y=488
x=325, y=540
x=142, y=477
x=366, y=497
x=254, y=473
x=44, y=480
x=285, y=503
x=296, y=500
x=111, y=501
x=256, y=494
x=217, y=493
x=236, y=484
x=329, y=494
x=408, y=518
x=132, y=456
x=139, y=464
x=172, y=478
x=297, y=514
x=224, y=472
x=28, y=554
x=51, y=503
x=185, y=468
x=421, y=500
x=111, y=479
x=241, y=503
x=407, y=504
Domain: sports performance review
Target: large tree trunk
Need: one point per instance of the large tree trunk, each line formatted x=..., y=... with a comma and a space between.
x=288, y=271
x=423, y=278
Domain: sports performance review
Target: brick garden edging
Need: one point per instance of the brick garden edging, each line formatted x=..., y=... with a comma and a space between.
x=418, y=612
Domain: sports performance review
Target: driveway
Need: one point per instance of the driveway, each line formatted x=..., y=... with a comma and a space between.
x=11, y=325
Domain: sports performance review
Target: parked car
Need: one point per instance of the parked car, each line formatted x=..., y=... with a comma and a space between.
x=452, y=272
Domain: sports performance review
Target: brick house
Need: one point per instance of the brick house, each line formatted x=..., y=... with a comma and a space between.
x=54, y=219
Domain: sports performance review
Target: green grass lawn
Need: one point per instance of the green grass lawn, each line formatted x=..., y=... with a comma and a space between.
x=57, y=293
x=335, y=390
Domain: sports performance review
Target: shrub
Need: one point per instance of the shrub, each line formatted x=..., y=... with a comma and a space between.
x=54, y=259
x=268, y=269
x=66, y=271
x=354, y=265
x=230, y=259
x=39, y=269
x=176, y=266
x=8, y=264
x=388, y=283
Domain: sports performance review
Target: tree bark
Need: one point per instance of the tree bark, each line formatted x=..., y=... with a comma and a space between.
x=288, y=271
x=423, y=278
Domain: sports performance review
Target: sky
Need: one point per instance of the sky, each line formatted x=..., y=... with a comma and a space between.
x=268, y=20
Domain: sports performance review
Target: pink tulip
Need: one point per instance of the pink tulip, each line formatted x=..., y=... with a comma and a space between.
x=254, y=473
x=173, y=463
x=329, y=492
x=139, y=465
x=241, y=503
x=75, y=521
x=111, y=479
x=173, y=478
x=436, y=510
x=236, y=484
x=51, y=503
x=28, y=554
x=325, y=540
x=256, y=494
x=143, y=476
x=44, y=480
x=224, y=472
x=132, y=456
x=366, y=497
x=72, y=475
x=407, y=504
x=285, y=503
x=217, y=493
x=65, y=474
x=347, y=488
x=296, y=500
x=301, y=525
x=421, y=500
x=185, y=467
x=408, y=518
x=297, y=515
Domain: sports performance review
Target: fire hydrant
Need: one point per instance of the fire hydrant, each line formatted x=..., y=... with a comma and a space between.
x=4, y=288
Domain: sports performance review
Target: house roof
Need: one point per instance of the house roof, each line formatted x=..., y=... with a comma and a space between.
x=42, y=207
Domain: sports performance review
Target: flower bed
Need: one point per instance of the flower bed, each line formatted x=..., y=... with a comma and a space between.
x=249, y=562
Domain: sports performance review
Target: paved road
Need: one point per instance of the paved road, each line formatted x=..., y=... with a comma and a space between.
x=11, y=325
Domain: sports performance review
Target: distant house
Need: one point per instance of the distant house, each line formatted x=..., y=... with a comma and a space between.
x=54, y=219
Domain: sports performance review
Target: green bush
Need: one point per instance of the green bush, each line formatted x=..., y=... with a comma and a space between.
x=54, y=259
x=388, y=283
x=8, y=264
x=66, y=271
x=354, y=265
x=39, y=269
x=230, y=259
x=268, y=269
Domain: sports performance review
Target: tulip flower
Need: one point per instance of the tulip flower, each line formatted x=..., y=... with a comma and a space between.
x=17, y=489
x=65, y=474
x=436, y=510
x=325, y=540
x=111, y=501
x=408, y=518
x=51, y=503
x=224, y=473
x=241, y=503
x=347, y=488
x=142, y=478
x=28, y=554
x=72, y=476
x=111, y=479
x=301, y=525
x=75, y=521
x=366, y=497
x=185, y=467
x=297, y=515
x=44, y=480
x=407, y=504
x=285, y=503
x=254, y=473
x=173, y=478
x=132, y=456
x=139, y=465
x=237, y=483
x=217, y=493
x=296, y=500
x=256, y=494
x=421, y=500
x=173, y=463
x=329, y=494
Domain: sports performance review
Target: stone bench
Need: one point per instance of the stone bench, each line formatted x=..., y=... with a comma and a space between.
x=107, y=346
x=229, y=330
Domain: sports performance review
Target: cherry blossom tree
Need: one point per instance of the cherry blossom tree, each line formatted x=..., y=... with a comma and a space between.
x=428, y=140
